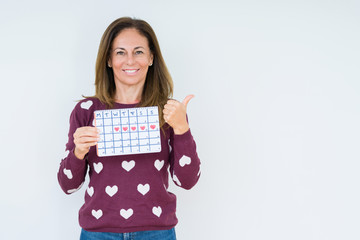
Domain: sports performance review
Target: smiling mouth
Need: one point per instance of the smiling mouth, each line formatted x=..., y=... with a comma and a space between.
x=130, y=70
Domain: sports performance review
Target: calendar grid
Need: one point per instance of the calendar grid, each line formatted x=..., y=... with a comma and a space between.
x=128, y=131
x=137, y=127
x=103, y=130
x=112, y=123
x=122, y=141
x=147, y=119
x=128, y=115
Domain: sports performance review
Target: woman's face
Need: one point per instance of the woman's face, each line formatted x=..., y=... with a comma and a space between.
x=130, y=58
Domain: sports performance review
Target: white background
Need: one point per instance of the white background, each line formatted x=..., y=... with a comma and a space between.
x=276, y=114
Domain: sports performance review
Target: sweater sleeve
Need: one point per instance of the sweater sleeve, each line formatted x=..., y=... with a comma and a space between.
x=72, y=170
x=184, y=161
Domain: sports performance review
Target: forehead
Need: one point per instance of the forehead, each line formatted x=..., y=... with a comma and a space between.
x=130, y=38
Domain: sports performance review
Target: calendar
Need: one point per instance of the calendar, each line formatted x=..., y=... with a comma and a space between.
x=128, y=131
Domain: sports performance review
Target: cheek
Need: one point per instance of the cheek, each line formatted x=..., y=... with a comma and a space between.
x=144, y=60
x=116, y=63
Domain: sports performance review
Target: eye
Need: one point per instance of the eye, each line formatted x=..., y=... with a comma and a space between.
x=120, y=53
x=139, y=52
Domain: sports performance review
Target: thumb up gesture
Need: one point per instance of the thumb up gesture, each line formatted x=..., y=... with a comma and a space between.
x=175, y=114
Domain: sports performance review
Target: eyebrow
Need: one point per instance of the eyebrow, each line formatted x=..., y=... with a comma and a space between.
x=125, y=49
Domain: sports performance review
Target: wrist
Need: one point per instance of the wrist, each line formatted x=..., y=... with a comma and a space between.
x=79, y=155
x=181, y=130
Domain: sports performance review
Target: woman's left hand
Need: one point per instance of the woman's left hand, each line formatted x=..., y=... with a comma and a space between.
x=175, y=114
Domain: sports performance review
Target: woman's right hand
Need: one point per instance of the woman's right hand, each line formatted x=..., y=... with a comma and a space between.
x=84, y=138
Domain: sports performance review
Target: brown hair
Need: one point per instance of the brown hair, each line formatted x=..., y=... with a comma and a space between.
x=158, y=87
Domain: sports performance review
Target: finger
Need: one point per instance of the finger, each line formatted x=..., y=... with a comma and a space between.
x=167, y=111
x=91, y=144
x=81, y=137
x=187, y=99
x=86, y=144
x=85, y=147
x=166, y=117
x=86, y=131
x=172, y=102
x=170, y=106
x=87, y=140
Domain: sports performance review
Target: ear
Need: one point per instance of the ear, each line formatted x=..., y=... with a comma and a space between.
x=152, y=58
x=109, y=63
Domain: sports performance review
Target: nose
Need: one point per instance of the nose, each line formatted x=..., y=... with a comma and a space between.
x=130, y=59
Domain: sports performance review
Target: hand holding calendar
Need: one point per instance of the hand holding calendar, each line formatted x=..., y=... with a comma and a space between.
x=84, y=138
x=175, y=114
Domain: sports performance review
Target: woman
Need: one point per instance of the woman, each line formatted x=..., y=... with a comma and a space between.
x=127, y=195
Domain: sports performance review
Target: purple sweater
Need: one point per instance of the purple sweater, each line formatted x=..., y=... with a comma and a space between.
x=128, y=193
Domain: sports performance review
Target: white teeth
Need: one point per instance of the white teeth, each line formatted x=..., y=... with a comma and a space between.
x=130, y=71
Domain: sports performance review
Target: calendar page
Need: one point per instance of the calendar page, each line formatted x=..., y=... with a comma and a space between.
x=128, y=131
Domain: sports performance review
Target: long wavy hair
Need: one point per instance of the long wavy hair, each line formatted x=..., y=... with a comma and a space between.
x=158, y=87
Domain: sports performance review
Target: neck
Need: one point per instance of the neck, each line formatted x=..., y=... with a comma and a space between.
x=128, y=94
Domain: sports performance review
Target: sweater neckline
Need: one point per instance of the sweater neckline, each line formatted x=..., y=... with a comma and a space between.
x=125, y=105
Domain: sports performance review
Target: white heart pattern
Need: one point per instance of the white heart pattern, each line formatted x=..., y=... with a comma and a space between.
x=176, y=180
x=143, y=189
x=128, y=165
x=68, y=173
x=111, y=190
x=86, y=105
x=97, y=214
x=66, y=154
x=184, y=160
x=170, y=148
x=157, y=211
x=126, y=213
x=90, y=191
x=75, y=189
x=159, y=164
x=72, y=190
x=98, y=167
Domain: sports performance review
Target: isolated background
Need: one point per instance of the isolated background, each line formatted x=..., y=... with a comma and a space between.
x=276, y=114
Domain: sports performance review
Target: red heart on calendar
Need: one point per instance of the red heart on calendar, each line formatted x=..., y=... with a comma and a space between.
x=142, y=127
x=116, y=129
x=133, y=128
x=152, y=126
x=125, y=129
